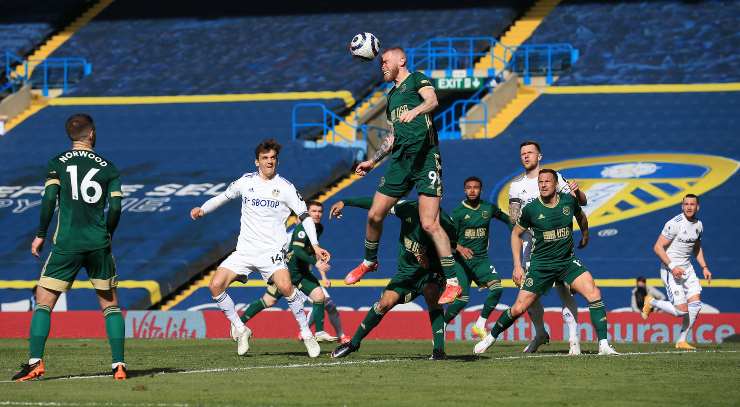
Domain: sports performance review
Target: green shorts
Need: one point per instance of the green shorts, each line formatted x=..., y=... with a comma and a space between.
x=480, y=270
x=306, y=282
x=409, y=282
x=540, y=278
x=60, y=270
x=422, y=170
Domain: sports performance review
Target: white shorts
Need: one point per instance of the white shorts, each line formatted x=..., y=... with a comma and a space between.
x=266, y=263
x=679, y=290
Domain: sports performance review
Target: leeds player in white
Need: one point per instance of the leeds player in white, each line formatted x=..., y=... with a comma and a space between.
x=267, y=201
x=679, y=240
x=523, y=190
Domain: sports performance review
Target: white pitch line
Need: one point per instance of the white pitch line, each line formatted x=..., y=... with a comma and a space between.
x=367, y=362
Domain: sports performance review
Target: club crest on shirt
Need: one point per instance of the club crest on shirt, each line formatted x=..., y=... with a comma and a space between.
x=275, y=193
x=484, y=214
x=566, y=211
x=620, y=187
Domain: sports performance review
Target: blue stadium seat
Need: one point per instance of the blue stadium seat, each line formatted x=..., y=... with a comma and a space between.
x=141, y=48
x=24, y=25
x=646, y=41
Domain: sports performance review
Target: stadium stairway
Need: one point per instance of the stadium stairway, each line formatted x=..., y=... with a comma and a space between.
x=515, y=36
x=57, y=40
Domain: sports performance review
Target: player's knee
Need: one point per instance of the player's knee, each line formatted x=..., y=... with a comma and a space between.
x=375, y=217
x=430, y=225
x=384, y=305
x=216, y=286
x=317, y=295
x=517, y=309
x=681, y=309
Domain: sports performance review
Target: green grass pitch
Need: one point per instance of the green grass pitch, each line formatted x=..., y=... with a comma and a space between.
x=394, y=373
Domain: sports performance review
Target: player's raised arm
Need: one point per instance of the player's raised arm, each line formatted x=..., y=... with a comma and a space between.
x=572, y=187
x=430, y=102
x=515, y=209
x=114, y=205
x=48, y=204
x=233, y=191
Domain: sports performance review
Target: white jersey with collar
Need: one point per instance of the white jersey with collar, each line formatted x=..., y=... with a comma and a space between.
x=266, y=205
x=683, y=234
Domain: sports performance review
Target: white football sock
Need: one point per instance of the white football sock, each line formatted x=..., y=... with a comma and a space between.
x=570, y=311
x=295, y=303
x=537, y=313
x=481, y=323
x=667, y=306
x=333, y=313
x=689, y=319
x=226, y=304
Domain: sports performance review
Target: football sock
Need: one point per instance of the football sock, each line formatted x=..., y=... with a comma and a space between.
x=226, y=304
x=372, y=319
x=570, y=310
x=667, y=306
x=438, y=329
x=317, y=314
x=253, y=309
x=40, y=324
x=481, y=322
x=371, y=252
x=494, y=295
x=295, y=303
x=598, y=318
x=502, y=323
x=451, y=269
x=115, y=327
x=537, y=313
x=689, y=319
x=336, y=322
x=455, y=308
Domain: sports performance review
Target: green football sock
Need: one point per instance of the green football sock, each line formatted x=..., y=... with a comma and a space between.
x=455, y=308
x=502, y=323
x=451, y=268
x=492, y=300
x=438, y=329
x=371, y=250
x=317, y=315
x=598, y=317
x=372, y=319
x=253, y=309
x=40, y=324
x=115, y=327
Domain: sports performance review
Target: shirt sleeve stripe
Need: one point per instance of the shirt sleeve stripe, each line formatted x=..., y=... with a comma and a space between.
x=116, y=194
x=51, y=181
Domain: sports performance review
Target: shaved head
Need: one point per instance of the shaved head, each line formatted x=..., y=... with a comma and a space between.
x=393, y=62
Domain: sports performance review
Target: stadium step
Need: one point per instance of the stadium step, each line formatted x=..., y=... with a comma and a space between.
x=516, y=35
x=496, y=125
x=37, y=103
x=53, y=43
x=344, y=131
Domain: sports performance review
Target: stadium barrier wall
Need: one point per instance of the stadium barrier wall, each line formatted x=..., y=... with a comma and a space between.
x=623, y=326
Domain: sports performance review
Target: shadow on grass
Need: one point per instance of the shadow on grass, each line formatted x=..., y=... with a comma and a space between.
x=131, y=373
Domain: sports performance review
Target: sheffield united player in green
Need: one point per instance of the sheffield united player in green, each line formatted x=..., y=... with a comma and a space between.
x=550, y=218
x=301, y=257
x=472, y=222
x=415, y=163
x=82, y=182
x=418, y=273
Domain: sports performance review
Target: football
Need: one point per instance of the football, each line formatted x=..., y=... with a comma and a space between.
x=364, y=46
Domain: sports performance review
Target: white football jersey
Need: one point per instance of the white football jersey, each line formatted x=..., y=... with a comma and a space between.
x=266, y=205
x=526, y=189
x=683, y=235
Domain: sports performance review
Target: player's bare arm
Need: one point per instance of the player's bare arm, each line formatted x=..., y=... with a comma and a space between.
x=659, y=249
x=429, y=104
x=575, y=190
x=516, y=254
x=336, y=210
x=583, y=224
x=515, y=209
x=48, y=204
x=699, y=253
x=385, y=148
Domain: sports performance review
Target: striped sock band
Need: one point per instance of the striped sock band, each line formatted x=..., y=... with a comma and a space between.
x=42, y=307
x=371, y=245
x=111, y=310
x=495, y=286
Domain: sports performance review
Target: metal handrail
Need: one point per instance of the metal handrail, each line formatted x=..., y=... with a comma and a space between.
x=46, y=65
